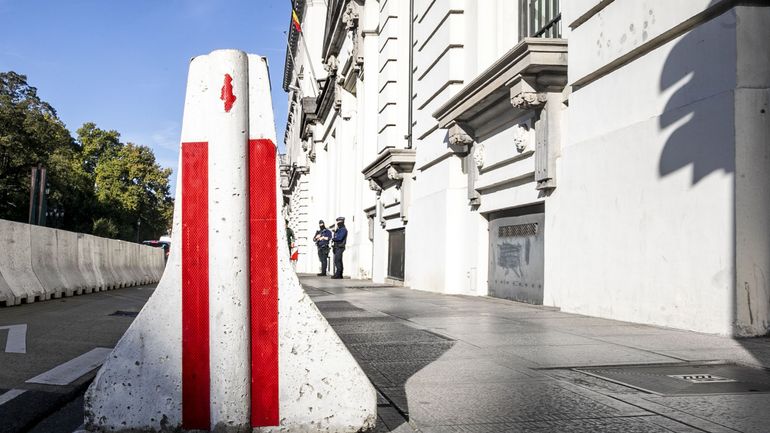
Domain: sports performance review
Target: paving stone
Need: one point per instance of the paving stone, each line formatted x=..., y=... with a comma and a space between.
x=747, y=413
x=746, y=355
x=591, y=382
x=342, y=314
x=649, y=424
x=584, y=355
x=410, y=336
x=396, y=395
x=623, y=328
x=336, y=305
x=674, y=341
x=453, y=371
x=374, y=375
x=437, y=404
x=365, y=319
x=400, y=351
x=503, y=375
x=359, y=327
x=390, y=417
x=544, y=338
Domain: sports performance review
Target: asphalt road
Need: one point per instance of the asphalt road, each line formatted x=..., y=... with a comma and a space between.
x=73, y=332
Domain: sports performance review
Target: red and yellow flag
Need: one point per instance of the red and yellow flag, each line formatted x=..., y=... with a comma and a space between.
x=295, y=21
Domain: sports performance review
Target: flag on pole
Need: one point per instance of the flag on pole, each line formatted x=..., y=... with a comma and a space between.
x=295, y=21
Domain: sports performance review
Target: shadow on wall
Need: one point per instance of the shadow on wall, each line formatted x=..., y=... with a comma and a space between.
x=700, y=73
x=703, y=129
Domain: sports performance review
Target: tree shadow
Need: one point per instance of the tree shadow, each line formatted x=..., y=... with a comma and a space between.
x=700, y=73
x=388, y=351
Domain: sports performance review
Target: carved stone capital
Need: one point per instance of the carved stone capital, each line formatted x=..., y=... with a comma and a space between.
x=460, y=140
x=478, y=155
x=524, y=137
x=350, y=16
x=393, y=174
x=331, y=65
x=374, y=186
x=528, y=100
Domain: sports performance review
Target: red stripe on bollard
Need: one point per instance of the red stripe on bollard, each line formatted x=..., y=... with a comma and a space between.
x=264, y=283
x=195, y=287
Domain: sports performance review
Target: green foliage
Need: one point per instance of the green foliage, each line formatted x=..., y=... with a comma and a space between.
x=105, y=228
x=103, y=186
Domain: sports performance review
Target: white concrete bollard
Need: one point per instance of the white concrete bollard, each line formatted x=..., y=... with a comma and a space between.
x=229, y=341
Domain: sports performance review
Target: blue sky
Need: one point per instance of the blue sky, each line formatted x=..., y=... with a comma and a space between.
x=123, y=63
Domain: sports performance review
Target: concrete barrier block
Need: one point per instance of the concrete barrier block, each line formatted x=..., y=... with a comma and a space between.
x=7, y=297
x=16, y=265
x=45, y=261
x=89, y=262
x=67, y=257
x=229, y=341
x=107, y=263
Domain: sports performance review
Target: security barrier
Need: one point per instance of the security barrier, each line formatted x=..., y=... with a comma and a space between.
x=40, y=263
x=229, y=341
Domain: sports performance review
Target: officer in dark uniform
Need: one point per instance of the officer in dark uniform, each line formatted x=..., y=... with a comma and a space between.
x=340, y=239
x=322, y=238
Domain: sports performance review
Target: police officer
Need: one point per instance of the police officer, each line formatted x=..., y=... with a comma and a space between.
x=339, y=239
x=321, y=239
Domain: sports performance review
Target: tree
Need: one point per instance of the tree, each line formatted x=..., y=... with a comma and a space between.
x=30, y=134
x=134, y=191
x=100, y=184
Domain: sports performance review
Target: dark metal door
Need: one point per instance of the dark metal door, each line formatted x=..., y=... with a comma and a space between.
x=396, y=250
x=517, y=257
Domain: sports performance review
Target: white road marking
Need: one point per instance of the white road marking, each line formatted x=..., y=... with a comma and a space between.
x=10, y=395
x=81, y=429
x=72, y=370
x=17, y=338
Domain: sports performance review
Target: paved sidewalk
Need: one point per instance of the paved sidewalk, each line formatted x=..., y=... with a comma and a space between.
x=446, y=364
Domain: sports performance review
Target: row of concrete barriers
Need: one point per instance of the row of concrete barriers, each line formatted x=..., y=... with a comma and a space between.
x=39, y=263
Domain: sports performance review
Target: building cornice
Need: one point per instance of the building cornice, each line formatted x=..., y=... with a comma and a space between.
x=390, y=167
x=533, y=65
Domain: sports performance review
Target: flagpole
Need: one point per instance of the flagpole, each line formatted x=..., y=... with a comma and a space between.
x=309, y=62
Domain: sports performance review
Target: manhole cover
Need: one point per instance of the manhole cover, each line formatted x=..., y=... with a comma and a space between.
x=688, y=379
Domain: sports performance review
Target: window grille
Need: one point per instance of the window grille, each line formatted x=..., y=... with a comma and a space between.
x=539, y=19
x=517, y=231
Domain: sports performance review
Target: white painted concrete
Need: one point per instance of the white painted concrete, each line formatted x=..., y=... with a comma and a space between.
x=17, y=267
x=67, y=261
x=74, y=369
x=45, y=263
x=228, y=239
x=322, y=389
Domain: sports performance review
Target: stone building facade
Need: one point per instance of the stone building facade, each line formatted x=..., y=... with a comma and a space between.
x=606, y=157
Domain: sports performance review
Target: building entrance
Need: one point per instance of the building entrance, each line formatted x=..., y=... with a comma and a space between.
x=396, y=253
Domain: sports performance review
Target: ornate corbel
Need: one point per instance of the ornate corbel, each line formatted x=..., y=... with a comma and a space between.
x=529, y=100
x=331, y=65
x=524, y=137
x=460, y=139
x=374, y=186
x=350, y=16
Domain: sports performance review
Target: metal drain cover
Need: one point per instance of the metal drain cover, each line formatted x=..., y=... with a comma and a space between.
x=688, y=379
